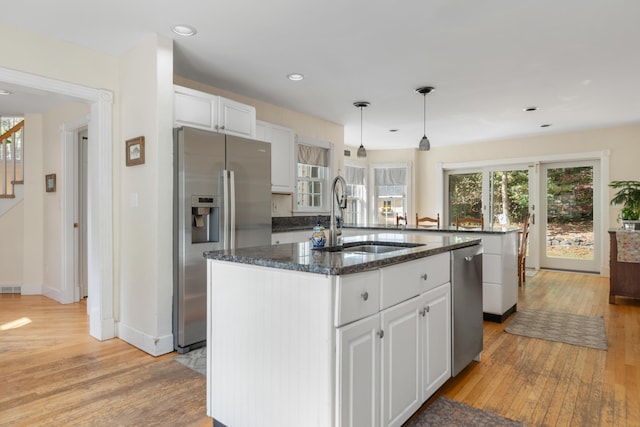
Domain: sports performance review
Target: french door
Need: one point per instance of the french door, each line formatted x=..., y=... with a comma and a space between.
x=569, y=232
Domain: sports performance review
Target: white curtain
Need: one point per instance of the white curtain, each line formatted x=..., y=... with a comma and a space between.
x=354, y=175
x=390, y=176
x=310, y=155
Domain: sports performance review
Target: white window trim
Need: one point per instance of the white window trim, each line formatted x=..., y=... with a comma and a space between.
x=326, y=207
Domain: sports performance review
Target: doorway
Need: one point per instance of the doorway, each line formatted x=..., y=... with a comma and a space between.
x=569, y=224
x=80, y=225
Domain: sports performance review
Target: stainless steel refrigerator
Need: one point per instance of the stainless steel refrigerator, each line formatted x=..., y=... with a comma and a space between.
x=222, y=200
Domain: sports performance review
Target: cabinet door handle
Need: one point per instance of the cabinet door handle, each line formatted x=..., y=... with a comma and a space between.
x=381, y=334
x=424, y=311
x=424, y=276
x=365, y=295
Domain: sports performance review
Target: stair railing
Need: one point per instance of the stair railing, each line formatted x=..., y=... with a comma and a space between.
x=11, y=171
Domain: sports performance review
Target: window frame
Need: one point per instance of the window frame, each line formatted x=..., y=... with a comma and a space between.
x=325, y=183
x=373, y=210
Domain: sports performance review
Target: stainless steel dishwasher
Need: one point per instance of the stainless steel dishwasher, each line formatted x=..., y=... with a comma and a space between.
x=466, y=301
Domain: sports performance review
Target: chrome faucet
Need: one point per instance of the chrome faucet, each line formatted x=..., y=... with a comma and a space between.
x=335, y=234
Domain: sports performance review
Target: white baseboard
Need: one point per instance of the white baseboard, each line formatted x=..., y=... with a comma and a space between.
x=54, y=294
x=31, y=289
x=155, y=346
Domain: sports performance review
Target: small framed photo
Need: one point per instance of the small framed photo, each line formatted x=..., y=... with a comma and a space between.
x=50, y=182
x=135, y=151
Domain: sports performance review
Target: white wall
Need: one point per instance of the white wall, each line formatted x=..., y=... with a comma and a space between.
x=12, y=246
x=33, y=219
x=144, y=245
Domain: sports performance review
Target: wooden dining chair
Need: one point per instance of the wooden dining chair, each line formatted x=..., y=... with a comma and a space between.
x=468, y=221
x=522, y=249
x=400, y=218
x=428, y=219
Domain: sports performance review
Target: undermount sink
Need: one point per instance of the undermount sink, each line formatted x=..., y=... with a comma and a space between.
x=370, y=247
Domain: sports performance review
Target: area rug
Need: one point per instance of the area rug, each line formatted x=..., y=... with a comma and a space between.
x=450, y=413
x=586, y=331
x=195, y=359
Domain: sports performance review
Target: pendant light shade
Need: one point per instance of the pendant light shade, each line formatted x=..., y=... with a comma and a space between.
x=425, y=145
x=361, y=105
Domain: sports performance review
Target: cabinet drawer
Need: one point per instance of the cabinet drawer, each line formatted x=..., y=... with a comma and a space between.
x=403, y=281
x=357, y=296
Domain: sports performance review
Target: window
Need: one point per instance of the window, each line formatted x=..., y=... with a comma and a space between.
x=356, y=212
x=312, y=176
x=391, y=187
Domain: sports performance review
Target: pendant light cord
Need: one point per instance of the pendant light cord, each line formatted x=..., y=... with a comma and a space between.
x=424, y=122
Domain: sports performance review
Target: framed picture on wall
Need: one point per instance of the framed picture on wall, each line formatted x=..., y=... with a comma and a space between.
x=135, y=151
x=50, y=182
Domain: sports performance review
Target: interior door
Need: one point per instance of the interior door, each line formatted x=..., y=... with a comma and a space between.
x=569, y=225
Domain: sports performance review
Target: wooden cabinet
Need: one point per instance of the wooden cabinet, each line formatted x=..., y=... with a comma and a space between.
x=283, y=161
x=624, y=279
x=214, y=113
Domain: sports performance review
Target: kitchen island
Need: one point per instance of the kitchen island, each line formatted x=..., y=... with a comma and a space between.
x=500, y=257
x=298, y=336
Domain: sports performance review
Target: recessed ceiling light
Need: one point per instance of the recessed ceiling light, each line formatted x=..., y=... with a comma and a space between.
x=394, y=130
x=531, y=109
x=4, y=92
x=546, y=125
x=296, y=77
x=184, y=30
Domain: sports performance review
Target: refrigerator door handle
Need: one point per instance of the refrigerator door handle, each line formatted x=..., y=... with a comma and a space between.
x=232, y=210
x=225, y=209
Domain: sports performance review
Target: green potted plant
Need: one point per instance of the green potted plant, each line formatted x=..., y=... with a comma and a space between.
x=628, y=196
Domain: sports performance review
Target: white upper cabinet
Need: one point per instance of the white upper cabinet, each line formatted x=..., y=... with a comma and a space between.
x=236, y=118
x=194, y=108
x=214, y=113
x=283, y=163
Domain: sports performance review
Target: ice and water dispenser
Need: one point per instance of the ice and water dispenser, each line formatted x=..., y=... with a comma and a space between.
x=205, y=219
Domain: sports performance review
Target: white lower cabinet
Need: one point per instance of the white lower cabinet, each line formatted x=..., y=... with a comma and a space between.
x=401, y=361
x=435, y=337
x=358, y=373
x=390, y=363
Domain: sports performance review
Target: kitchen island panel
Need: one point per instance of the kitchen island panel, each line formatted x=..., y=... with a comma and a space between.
x=255, y=344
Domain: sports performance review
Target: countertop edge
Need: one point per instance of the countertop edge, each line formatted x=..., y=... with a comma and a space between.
x=336, y=270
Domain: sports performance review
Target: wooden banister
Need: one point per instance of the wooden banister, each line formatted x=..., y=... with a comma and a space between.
x=11, y=131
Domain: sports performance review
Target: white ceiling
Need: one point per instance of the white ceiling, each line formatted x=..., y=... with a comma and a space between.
x=577, y=60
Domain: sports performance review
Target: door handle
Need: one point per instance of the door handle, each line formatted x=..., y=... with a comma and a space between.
x=76, y=225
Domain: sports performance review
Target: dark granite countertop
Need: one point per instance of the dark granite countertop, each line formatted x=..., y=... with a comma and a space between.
x=302, y=257
x=287, y=224
x=446, y=229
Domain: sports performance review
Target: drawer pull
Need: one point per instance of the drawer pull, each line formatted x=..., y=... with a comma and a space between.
x=424, y=276
x=381, y=334
x=365, y=295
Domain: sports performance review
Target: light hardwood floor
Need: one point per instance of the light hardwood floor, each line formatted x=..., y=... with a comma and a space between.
x=53, y=373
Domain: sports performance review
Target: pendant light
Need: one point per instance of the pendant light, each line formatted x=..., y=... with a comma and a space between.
x=425, y=145
x=361, y=105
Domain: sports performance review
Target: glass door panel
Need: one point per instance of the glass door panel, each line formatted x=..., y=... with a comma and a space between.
x=509, y=198
x=569, y=221
x=465, y=196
